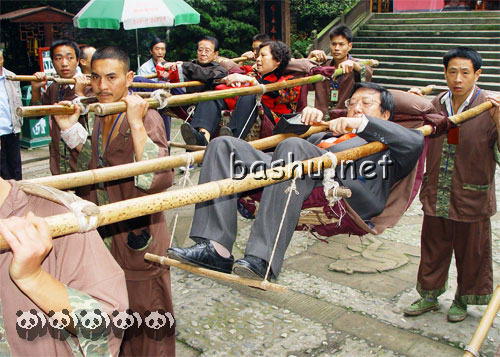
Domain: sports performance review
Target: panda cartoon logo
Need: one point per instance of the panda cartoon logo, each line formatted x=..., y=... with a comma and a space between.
x=93, y=324
x=58, y=321
x=159, y=324
x=30, y=324
x=126, y=324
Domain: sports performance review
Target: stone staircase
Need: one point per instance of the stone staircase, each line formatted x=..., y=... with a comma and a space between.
x=410, y=46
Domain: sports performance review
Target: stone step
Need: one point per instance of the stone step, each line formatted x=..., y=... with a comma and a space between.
x=457, y=41
x=453, y=14
x=426, y=34
x=422, y=82
x=430, y=67
x=415, y=52
x=437, y=27
x=428, y=46
x=415, y=59
x=435, y=20
x=405, y=73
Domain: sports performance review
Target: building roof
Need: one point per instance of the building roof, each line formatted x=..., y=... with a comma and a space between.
x=33, y=10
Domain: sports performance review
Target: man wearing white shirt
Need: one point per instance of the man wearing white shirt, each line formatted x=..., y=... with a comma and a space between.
x=157, y=49
x=10, y=125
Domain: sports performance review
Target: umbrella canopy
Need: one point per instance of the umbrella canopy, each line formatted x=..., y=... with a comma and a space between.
x=107, y=14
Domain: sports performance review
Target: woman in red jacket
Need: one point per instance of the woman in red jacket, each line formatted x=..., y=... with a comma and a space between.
x=273, y=58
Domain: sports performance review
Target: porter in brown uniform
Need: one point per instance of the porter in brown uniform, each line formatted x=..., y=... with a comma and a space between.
x=458, y=194
x=333, y=94
x=74, y=272
x=135, y=135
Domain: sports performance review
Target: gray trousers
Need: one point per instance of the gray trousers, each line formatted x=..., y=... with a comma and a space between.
x=217, y=219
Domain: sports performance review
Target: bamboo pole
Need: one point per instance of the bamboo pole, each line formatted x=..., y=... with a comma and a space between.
x=472, y=349
x=23, y=78
x=68, y=223
x=427, y=89
x=90, y=177
x=369, y=62
x=182, y=99
x=148, y=76
x=185, y=146
x=236, y=59
x=261, y=284
x=173, y=101
x=133, y=85
x=166, y=85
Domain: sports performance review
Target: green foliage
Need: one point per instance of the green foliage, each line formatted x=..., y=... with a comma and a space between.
x=299, y=45
x=233, y=23
x=316, y=14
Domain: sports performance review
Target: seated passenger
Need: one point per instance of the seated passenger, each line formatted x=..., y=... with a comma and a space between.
x=273, y=58
x=214, y=226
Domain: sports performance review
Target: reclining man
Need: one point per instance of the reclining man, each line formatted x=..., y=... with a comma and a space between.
x=214, y=227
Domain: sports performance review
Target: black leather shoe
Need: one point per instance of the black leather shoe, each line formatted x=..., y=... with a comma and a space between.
x=252, y=267
x=202, y=254
x=192, y=136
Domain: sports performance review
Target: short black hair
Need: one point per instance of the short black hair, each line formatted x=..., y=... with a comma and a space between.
x=211, y=39
x=64, y=42
x=83, y=51
x=155, y=41
x=280, y=52
x=341, y=30
x=386, y=98
x=463, y=52
x=112, y=52
x=262, y=37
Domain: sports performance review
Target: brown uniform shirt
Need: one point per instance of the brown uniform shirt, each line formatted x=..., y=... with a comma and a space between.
x=148, y=284
x=81, y=262
x=344, y=87
x=459, y=182
x=62, y=158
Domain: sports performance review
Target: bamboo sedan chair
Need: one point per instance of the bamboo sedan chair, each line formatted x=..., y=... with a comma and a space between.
x=327, y=218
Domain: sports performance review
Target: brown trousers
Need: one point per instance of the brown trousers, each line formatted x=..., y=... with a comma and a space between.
x=471, y=243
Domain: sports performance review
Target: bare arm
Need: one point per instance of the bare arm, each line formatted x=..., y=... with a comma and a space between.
x=30, y=241
x=136, y=110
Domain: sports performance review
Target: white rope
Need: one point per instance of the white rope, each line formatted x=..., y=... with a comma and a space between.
x=248, y=119
x=86, y=222
x=162, y=96
x=330, y=184
x=263, y=87
x=84, y=108
x=472, y=350
x=289, y=190
x=184, y=180
x=190, y=112
x=87, y=213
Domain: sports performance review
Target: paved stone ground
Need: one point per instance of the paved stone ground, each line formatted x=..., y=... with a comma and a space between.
x=325, y=313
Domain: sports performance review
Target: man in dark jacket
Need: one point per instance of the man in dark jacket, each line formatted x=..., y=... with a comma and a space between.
x=214, y=227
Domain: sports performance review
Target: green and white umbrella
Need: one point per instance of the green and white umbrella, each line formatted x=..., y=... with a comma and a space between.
x=135, y=14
